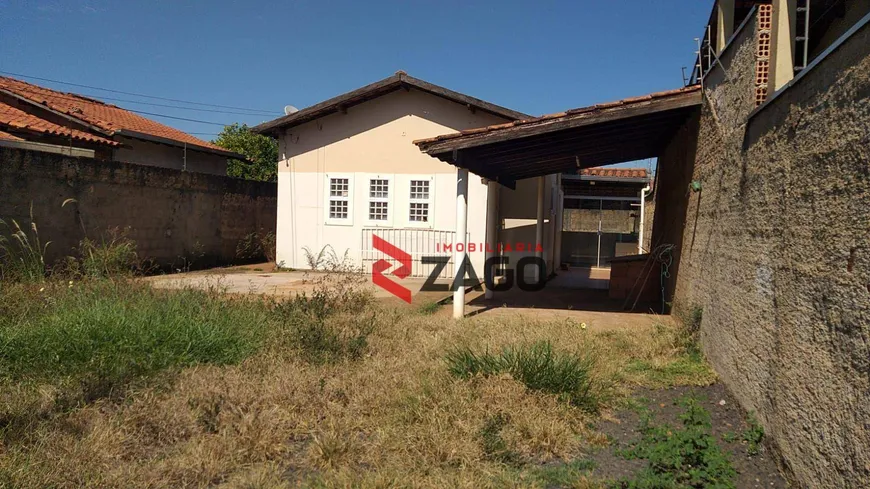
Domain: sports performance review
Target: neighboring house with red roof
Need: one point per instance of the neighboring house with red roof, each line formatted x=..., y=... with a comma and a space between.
x=33, y=114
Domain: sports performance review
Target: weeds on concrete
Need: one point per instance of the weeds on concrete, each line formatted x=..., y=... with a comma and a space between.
x=334, y=320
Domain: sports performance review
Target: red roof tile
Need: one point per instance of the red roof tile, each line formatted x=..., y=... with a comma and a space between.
x=615, y=172
x=17, y=119
x=8, y=137
x=107, y=117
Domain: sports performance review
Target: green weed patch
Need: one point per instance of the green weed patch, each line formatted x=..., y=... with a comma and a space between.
x=686, y=457
x=538, y=366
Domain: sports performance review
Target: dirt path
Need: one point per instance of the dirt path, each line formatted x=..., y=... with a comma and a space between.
x=728, y=420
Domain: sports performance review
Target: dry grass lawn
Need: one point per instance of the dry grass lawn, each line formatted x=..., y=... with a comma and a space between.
x=393, y=417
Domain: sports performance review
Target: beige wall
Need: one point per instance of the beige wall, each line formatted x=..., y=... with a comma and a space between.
x=165, y=156
x=372, y=140
x=377, y=136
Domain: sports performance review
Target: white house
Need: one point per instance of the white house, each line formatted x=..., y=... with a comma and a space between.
x=348, y=169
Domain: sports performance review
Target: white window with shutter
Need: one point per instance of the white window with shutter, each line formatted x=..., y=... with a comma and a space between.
x=339, y=199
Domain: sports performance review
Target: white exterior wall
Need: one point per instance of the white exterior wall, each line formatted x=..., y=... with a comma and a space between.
x=517, y=211
x=372, y=140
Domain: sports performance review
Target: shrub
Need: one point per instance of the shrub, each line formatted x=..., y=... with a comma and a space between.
x=256, y=246
x=464, y=363
x=338, y=284
x=333, y=321
x=114, y=255
x=327, y=339
x=21, y=255
x=537, y=366
x=325, y=330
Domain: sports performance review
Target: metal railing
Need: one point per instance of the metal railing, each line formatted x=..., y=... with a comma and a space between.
x=415, y=242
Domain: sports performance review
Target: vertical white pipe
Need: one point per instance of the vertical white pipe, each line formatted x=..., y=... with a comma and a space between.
x=643, y=192
x=491, y=226
x=560, y=210
x=461, y=242
x=539, y=228
x=600, y=212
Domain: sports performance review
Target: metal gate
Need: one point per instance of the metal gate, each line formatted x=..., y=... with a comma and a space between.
x=415, y=242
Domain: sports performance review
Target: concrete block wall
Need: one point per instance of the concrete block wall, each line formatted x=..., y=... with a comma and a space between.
x=173, y=216
x=775, y=249
x=637, y=278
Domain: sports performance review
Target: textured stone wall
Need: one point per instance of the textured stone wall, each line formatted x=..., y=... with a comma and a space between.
x=173, y=216
x=776, y=250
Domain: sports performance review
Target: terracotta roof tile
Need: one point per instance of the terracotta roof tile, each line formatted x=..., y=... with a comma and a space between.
x=17, y=119
x=107, y=117
x=558, y=115
x=614, y=172
x=8, y=137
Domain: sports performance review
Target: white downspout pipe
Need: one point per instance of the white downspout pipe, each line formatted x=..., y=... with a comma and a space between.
x=461, y=242
x=560, y=204
x=643, y=192
x=539, y=227
x=491, y=227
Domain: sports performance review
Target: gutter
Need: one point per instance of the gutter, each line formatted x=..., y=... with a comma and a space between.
x=48, y=148
x=595, y=178
x=178, y=144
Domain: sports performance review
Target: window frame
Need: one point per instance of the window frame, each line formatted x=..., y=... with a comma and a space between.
x=388, y=200
x=430, y=201
x=335, y=221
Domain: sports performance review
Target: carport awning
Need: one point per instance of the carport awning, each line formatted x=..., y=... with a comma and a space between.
x=604, y=134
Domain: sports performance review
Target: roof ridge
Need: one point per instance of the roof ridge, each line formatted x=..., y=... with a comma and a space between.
x=377, y=89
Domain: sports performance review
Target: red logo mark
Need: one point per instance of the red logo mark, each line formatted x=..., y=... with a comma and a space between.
x=380, y=266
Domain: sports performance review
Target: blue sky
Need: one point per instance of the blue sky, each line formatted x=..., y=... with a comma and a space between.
x=533, y=56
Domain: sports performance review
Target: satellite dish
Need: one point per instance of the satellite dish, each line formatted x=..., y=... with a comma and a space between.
x=289, y=109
